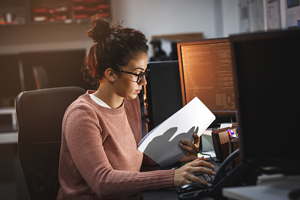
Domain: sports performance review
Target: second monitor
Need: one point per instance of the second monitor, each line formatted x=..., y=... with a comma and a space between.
x=206, y=72
x=162, y=92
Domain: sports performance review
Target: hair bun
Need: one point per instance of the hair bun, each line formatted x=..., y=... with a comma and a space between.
x=99, y=29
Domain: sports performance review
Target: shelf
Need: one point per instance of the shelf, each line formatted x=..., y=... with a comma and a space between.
x=12, y=12
x=67, y=11
x=20, y=12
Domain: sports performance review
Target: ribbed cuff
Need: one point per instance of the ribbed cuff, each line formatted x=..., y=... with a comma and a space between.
x=156, y=179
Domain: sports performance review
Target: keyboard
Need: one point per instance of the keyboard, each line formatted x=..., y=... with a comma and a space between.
x=209, y=177
x=196, y=190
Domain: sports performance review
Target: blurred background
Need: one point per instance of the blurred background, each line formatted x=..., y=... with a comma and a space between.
x=43, y=43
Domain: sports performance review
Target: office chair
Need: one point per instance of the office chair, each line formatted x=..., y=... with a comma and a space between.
x=39, y=116
x=40, y=77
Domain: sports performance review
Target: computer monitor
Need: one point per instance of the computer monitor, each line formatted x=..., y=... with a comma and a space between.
x=162, y=92
x=206, y=72
x=266, y=77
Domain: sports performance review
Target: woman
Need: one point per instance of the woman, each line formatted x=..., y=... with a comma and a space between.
x=99, y=157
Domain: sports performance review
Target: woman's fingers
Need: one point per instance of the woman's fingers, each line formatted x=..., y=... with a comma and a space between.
x=201, y=162
x=190, y=147
x=196, y=140
x=186, y=174
x=196, y=179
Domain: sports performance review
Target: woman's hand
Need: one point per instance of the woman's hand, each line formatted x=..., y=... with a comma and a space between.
x=192, y=148
x=185, y=174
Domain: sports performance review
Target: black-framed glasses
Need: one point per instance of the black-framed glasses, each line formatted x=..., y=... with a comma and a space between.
x=139, y=76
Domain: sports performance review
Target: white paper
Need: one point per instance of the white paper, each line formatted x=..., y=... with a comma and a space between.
x=273, y=14
x=256, y=15
x=162, y=144
x=225, y=125
x=244, y=10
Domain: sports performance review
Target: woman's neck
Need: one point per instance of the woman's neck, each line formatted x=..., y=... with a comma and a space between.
x=107, y=95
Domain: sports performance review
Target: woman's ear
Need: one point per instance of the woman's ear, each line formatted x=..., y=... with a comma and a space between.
x=110, y=74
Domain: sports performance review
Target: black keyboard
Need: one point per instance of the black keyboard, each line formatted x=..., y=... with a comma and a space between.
x=209, y=177
x=196, y=190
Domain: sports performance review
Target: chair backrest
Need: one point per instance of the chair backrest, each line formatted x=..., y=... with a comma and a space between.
x=40, y=77
x=39, y=115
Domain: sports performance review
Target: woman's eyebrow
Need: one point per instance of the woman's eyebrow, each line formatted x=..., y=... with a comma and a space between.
x=139, y=68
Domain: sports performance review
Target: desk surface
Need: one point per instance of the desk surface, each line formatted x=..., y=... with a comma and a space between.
x=275, y=190
x=165, y=194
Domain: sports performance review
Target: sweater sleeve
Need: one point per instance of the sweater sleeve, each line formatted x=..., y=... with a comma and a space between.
x=84, y=142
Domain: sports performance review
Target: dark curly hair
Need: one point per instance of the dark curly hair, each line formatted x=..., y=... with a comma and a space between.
x=114, y=47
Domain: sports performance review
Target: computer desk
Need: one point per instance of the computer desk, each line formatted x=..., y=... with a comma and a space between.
x=275, y=187
x=165, y=194
x=268, y=187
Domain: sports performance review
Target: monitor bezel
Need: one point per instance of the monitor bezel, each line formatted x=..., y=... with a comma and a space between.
x=269, y=164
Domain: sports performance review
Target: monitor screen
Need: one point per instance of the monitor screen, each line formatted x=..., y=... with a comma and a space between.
x=266, y=77
x=163, y=92
x=206, y=72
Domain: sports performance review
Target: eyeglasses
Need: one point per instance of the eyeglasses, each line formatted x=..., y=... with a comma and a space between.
x=139, y=76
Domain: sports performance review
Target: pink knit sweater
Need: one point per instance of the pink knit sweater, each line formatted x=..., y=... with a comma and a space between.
x=99, y=157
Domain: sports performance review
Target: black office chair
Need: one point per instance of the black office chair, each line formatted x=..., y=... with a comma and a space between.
x=40, y=77
x=39, y=115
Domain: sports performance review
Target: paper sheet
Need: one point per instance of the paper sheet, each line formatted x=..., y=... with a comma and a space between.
x=162, y=144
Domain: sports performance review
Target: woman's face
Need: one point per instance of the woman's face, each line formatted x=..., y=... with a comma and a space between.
x=126, y=85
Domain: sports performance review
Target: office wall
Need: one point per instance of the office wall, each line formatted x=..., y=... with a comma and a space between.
x=230, y=17
x=159, y=17
x=153, y=17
